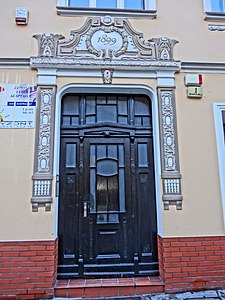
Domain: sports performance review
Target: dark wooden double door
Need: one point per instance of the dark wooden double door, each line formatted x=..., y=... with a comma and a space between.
x=107, y=215
x=107, y=207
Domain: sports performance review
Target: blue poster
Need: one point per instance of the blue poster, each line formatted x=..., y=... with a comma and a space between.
x=17, y=105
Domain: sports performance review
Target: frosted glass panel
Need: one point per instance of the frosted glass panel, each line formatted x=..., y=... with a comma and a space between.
x=101, y=151
x=121, y=156
x=112, y=151
x=90, y=107
x=90, y=120
x=71, y=155
x=106, y=113
x=106, y=3
x=133, y=4
x=92, y=190
x=79, y=3
x=66, y=121
x=71, y=105
x=122, y=190
x=141, y=107
x=142, y=155
x=92, y=156
x=107, y=167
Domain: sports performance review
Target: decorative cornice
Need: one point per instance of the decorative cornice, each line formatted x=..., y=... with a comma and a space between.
x=134, y=64
x=15, y=62
x=209, y=67
x=142, y=65
x=215, y=16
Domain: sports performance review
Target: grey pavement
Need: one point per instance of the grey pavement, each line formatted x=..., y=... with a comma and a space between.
x=208, y=295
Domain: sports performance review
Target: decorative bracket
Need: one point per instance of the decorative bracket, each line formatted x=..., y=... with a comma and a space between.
x=107, y=75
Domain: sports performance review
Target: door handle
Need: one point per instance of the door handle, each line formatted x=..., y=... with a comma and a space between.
x=85, y=209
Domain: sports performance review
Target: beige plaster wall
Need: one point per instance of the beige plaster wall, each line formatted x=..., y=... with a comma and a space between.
x=17, y=222
x=202, y=205
x=182, y=20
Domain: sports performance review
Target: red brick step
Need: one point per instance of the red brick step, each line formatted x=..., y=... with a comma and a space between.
x=108, y=287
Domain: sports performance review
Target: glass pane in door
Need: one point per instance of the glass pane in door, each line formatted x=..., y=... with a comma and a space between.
x=107, y=181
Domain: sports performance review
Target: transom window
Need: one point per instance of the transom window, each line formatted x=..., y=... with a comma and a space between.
x=218, y=5
x=96, y=109
x=123, y=4
x=214, y=10
x=139, y=8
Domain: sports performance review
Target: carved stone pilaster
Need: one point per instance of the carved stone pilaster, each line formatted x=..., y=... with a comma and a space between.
x=169, y=149
x=43, y=162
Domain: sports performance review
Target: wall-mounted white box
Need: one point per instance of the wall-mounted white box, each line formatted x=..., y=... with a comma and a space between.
x=21, y=17
x=193, y=79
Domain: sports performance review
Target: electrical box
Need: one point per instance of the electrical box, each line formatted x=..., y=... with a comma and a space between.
x=193, y=79
x=21, y=17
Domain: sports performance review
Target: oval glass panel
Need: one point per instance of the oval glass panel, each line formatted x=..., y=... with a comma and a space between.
x=107, y=167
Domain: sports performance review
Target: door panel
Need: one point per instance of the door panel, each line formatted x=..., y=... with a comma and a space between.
x=69, y=204
x=105, y=169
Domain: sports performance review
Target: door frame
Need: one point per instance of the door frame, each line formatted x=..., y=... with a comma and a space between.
x=112, y=89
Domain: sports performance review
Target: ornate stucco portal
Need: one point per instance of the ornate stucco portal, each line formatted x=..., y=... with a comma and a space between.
x=106, y=45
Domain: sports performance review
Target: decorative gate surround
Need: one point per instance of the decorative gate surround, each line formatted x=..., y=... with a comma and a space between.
x=105, y=42
x=42, y=178
x=169, y=149
x=106, y=45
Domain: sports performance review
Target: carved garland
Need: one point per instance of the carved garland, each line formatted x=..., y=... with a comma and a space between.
x=105, y=29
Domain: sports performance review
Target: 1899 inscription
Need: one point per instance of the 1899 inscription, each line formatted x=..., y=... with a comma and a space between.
x=106, y=40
